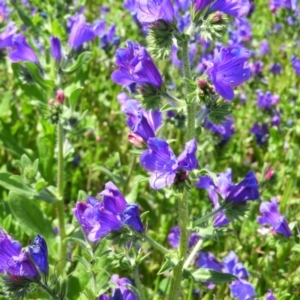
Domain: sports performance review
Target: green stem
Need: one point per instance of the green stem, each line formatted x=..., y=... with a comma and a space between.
x=138, y=283
x=208, y=216
x=193, y=254
x=183, y=215
x=155, y=244
x=183, y=212
x=191, y=105
x=48, y=290
x=60, y=200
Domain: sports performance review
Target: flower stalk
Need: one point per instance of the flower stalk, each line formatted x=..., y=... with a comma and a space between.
x=60, y=200
x=138, y=283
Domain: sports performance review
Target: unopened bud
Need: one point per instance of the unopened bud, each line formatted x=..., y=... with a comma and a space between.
x=202, y=83
x=135, y=139
x=60, y=96
x=51, y=102
x=218, y=16
x=269, y=174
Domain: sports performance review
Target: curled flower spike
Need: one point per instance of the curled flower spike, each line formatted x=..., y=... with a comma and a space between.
x=229, y=70
x=271, y=216
x=149, y=11
x=99, y=218
x=162, y=163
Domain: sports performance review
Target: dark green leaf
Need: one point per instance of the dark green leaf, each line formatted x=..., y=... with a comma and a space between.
x=29, y=215
x=207, y=275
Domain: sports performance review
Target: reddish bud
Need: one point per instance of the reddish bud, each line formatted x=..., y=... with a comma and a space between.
x=135, y=139
x=269, y=174
x=217, y=17
x=60, y=96
x=202, y=82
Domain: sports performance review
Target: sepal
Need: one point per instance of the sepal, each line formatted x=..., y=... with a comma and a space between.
x=219, y=111
x=160, y=39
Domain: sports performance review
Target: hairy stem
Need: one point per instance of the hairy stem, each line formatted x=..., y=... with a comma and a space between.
x=183, y=211
x=138, y=283
x=183, y=215
x=60, y=200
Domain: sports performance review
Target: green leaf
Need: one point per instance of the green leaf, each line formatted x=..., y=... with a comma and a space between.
x=74, y=97
x=15, y=184
x=167, y=265
x=82, y=59
x=23, y=16
x=207, y=275
x=29, y=215
x=35, y=73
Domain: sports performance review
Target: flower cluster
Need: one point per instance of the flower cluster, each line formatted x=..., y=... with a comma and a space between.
x=99, y=218
x=16, y=262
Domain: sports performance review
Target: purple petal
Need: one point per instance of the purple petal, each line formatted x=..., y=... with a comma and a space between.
x=247, y=189
x=22, y=51
x=113, y=200
x=187, y=160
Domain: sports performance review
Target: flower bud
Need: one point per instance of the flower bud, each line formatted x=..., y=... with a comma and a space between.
x=60, y=96
x=135, y=139
x=39, y=253
x=51, y=102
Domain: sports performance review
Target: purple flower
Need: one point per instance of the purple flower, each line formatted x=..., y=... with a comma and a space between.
x=81, y=32
x=56, y=50
x=270, y=295
x=122, y=292
x=266, y=100
x=243, y=32
x=242, y=290
x=149, y=11
x=135, y=67
x=236, y=8
x=256, y=67
x=271, y=216
x=141, y=122
x=296, y=64
x=225, y=130
x=229, y=70
x=21, y=50
x=4, y=11
x=39, y=253
x=275, y=121
x=7, y=35
x=275, y=68
x=208, y=261
x=240, y=192
x=264, y=48
x=14, y=261
x=161, y=161
x=233, y=266
x=174, y=237
x=261, y=133
x=98, y=219
x=290, y=4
